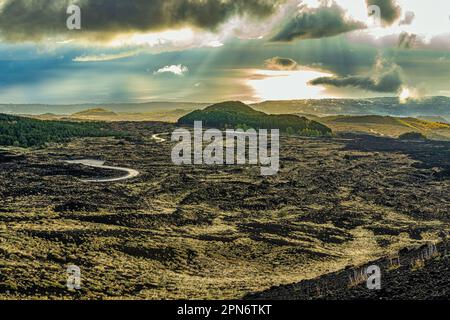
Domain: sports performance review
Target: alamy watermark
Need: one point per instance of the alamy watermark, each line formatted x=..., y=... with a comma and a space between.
x=374, y=20
x=230, y=147
x=73, y=278
x=370, y=275
x=374, y=277
x=73, y=22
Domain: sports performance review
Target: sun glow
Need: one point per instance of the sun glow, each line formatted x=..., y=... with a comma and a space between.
x=408, y=94
x=286, y=85
x=404, y=95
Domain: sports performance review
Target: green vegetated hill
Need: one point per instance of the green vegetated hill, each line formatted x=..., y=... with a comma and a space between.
x=27, y=132
x=235, y=114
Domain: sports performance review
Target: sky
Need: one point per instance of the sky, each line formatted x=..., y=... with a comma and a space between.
x=215, y=50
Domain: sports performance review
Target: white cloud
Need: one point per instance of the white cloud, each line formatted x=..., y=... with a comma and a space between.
x=178, y=70
x=214, y=44
x=106, y=57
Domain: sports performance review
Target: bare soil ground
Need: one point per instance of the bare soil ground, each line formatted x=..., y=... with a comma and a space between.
x=211, y=232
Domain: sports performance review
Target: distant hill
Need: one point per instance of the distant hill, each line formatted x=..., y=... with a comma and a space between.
x=387, y=125
x=98, y=112
x=434, y=119
x=387, y=120
x=235, y=114
x=101, y=114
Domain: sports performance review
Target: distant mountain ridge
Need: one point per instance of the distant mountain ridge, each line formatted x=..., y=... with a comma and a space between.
x=438, y=119
x=438, y=106
x=391, y=106
x=69, y=109
x=97, y=112
x=235, y=114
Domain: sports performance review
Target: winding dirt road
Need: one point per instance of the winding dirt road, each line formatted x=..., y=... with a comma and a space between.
x=131, y=173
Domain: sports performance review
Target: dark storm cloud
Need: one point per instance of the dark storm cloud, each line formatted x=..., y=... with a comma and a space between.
x=390, y=10
x=385, y=78
x=284, y=64
x=321, y=22
x=37, y=19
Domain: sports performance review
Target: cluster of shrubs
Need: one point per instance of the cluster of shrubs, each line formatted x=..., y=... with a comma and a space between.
x=26, y=132
x=308, y=132
x=416, y=136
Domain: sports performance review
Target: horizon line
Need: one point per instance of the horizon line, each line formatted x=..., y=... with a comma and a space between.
x=209, y=103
